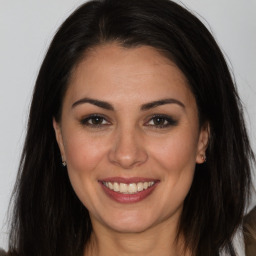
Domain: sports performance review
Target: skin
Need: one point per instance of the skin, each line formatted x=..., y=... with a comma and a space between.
x=129, y=142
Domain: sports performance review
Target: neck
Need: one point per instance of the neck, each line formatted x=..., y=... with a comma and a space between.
x=158, y=240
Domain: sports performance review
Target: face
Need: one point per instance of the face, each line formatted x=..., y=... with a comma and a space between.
x=130, y=136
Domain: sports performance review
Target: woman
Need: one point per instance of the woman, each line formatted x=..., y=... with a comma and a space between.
x=136, y=142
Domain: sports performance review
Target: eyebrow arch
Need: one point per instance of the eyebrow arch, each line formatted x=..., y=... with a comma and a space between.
x=98, y=103
x=157, y=103
x=146, y=106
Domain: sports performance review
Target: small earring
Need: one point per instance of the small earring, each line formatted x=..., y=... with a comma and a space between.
x=203, y=156
x=64, y=163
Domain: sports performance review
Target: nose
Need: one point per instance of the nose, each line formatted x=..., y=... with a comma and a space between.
x=128, y=150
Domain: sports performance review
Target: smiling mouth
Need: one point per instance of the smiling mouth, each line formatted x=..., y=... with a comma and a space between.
x=130, y=188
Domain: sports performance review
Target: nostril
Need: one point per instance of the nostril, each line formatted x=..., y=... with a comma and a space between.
x=127, y=158
x=128, y=149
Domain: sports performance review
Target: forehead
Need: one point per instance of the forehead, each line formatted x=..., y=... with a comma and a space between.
x=112, y=71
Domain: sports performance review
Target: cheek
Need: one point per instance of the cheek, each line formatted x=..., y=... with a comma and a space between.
x=82, y=152
x=83, y=156
x=177, y=152
x=177, y=160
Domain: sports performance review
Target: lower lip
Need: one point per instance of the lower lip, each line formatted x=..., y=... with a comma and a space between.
x=128, y=198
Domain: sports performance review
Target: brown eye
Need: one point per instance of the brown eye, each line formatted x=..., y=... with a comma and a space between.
x=161, y=121
x=94, y=121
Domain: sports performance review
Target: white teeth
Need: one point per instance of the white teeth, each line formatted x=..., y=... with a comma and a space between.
x=110, y=185
x=145, y=185
x=123, y=188
x=140, y=186
x=116, y=187
x=131, y=188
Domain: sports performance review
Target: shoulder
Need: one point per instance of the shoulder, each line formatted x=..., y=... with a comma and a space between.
x=2, y=252
x=251, y=216
x=250, y=232
x=250, y=222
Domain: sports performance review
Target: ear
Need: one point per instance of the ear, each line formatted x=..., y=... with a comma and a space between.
x=203, y=142
x=59, y=138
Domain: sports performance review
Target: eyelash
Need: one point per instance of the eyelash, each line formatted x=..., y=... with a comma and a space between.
x=165, y=119
x=86, y=121
x=168, y=121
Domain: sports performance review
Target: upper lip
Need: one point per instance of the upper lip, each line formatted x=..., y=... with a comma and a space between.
x=128, y=180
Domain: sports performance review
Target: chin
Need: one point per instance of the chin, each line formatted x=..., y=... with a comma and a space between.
x=130, y=222
x=130, y=227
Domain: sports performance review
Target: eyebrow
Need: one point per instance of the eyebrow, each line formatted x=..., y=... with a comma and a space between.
x=98, y=103
x=144, y=107
x=157, y=103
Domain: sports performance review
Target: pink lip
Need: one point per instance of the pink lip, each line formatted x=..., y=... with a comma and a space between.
x=128, y=198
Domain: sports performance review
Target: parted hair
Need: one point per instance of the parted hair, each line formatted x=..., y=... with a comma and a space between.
x=48, y=218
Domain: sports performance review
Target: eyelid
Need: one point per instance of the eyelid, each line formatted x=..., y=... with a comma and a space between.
x=171, y=121
x=85, y=119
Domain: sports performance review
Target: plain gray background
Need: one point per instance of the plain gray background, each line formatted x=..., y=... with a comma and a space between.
x=26, y=29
